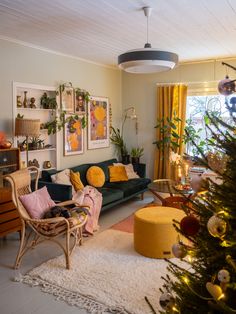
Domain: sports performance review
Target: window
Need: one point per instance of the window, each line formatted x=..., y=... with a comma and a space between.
x=200, y=100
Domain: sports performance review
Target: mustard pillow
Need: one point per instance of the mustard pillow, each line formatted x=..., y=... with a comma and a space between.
x=76, y=181
x=95, y=176
x=117, y=173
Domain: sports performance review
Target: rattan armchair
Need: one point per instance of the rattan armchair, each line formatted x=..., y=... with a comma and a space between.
x=43, y=229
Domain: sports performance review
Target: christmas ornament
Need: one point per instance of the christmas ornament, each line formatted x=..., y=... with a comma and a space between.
x=216, y=226
x=226, y=87
x=214, y=290
x=189, y=225
x=179, y=250
x=223, y=276
x=166, y=301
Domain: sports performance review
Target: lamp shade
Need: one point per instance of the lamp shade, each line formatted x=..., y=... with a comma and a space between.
x=27, y=127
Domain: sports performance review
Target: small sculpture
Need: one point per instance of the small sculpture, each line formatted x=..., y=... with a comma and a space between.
x=34, y=163
x=32, y=102
x=18, y=101
x=25, y=99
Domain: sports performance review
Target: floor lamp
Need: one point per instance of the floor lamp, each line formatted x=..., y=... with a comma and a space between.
x=27, y=127
x=130, y=113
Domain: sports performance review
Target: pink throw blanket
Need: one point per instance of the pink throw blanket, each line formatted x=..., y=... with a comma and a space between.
x=90, y=196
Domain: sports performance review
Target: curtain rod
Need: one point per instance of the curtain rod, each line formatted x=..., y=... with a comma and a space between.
x=185, y=83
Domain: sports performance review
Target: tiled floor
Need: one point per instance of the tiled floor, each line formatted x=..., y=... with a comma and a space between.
x=19, y=298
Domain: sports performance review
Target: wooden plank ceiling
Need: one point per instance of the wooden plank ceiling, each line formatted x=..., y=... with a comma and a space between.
x=99, y=30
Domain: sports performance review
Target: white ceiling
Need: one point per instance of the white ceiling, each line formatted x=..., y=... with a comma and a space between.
x=99, y=30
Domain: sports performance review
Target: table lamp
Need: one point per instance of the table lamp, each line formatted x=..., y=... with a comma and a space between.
x=27, y=127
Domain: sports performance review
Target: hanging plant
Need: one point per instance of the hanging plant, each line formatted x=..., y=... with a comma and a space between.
x=59, y=121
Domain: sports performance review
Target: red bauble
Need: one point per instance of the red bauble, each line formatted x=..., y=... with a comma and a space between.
x=190, y=225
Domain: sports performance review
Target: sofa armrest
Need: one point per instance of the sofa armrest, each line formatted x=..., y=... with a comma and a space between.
x=140, y=169
x=58, y=192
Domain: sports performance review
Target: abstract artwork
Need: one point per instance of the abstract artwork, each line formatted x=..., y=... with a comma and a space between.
x=98, y=122
x=73, y=136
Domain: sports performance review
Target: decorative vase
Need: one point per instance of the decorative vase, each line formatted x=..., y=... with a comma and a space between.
x=25, y=99
x=18, y=101
x=135, y=160
x=125, y=159
x=47, y=164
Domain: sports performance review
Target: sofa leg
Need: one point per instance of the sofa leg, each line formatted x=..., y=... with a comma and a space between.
x=142, y=196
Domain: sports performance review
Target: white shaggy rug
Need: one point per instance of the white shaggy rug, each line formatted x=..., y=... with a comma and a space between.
x=106, y=276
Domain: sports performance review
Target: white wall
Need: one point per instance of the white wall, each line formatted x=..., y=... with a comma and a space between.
x=141, y=92
x=28, y=65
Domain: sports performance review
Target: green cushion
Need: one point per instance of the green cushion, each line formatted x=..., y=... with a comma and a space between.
x=110, y=195
x=129, y=187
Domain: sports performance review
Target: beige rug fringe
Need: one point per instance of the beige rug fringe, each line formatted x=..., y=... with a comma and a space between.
x=71, y=297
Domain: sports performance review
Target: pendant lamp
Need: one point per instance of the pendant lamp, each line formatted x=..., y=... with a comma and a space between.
x=147, y=59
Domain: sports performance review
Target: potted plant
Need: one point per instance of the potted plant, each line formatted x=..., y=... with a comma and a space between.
x=136, y=153
x=117, y=139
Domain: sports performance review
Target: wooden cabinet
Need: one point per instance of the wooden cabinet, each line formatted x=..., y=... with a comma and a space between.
x=9, y=218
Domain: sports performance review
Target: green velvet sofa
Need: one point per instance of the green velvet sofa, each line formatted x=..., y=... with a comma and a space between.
x=113, y=192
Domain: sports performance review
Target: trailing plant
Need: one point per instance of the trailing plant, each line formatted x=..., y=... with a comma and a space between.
x=82, y=93
x=59, y=122
x=137, y=152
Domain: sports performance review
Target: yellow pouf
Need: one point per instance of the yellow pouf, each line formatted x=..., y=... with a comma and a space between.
x=154, y=233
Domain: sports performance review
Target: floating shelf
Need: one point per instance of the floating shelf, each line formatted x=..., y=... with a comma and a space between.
x=34, y=109
x=39, y=150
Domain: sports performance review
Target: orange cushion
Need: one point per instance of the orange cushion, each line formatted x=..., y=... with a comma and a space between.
x=95, y=176
x=117, y=173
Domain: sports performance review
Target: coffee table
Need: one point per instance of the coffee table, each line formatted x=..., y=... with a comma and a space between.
x=176, y=197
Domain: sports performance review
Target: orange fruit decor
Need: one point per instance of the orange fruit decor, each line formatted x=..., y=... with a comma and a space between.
x=100, y=113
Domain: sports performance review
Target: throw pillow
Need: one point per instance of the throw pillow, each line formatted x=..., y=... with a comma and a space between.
x=131, y=174
x=37, y=203
x=117, y=173
x=76, y=181
x=62, y=177
x=95, y=176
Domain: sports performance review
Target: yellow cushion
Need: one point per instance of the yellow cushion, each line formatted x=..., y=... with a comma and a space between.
x=95, y=176
x=75, y=181
x=117, y=173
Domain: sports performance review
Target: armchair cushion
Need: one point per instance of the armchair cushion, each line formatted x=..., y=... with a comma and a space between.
x=37, y=203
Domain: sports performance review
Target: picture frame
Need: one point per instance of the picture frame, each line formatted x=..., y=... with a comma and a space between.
x=67, y=98
x=73, y=136
x=98, y=122
x=80, y=102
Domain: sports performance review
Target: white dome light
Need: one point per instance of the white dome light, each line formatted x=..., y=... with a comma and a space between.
x=147, y=59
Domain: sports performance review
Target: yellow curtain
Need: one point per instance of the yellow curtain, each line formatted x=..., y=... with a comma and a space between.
x=171, y=101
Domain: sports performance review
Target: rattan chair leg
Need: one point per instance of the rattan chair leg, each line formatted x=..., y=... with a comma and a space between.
x=21, y=248
x=67, y=252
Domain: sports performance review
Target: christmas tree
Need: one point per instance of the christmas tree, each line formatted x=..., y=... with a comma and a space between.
x=204, y=281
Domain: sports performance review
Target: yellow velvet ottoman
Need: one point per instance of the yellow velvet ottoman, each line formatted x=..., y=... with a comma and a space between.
x=154, y=233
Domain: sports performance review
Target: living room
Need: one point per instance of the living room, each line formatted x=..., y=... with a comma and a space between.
x=132, y=157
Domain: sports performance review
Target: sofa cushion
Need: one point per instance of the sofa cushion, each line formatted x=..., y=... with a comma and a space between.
x=129, y=187
x=110, y=195
x=104, y=165
x=95, y=176
x=75, y=180
x=82, y=169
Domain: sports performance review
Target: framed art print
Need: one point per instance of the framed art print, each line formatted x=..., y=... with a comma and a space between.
x=98, y=122
x=67, y=98
x=73, y=136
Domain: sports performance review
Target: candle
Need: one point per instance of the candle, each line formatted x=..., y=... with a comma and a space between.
x=186, y=170
x=179, y=172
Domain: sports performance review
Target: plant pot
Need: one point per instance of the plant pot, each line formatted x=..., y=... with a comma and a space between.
x=125, y=159
x=135, y=160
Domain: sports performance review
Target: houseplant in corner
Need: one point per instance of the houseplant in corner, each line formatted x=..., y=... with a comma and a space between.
x=136, y=153
x=117, y=139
